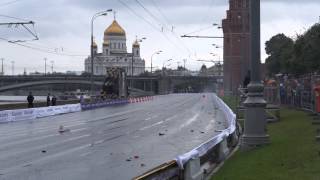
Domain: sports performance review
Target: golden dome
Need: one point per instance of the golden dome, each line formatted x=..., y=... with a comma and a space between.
x=136, y=44
x=94, y=44
x=105, y=43
x=115, y=30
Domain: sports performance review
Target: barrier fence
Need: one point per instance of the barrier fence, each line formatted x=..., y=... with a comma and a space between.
x=7, y=116
x=200, y=161
x=33, y=113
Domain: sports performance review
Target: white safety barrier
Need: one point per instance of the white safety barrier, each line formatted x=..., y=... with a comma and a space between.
x=33, y=113
x=205, y=147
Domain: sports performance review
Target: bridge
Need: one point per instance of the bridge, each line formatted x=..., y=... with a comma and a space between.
x=154, y=84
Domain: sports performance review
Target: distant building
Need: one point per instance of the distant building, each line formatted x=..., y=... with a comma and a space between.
x=114, y=53
x=236, y=31
x=216, y=70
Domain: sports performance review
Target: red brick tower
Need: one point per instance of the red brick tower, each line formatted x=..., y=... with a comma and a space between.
x=236, y=49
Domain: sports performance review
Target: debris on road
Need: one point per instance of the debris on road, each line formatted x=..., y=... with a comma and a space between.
x=63, y=130
x=43, y=151
x=161, y=134
x=142, y=165
x=201, y=132
x=136, y=157
x=129, y=159
x=191, y=130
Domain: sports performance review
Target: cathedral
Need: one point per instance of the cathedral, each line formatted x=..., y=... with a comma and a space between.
x=114, y=53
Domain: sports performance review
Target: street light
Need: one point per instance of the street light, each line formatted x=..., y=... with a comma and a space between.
x=157, y=52
x=12, y=63
x=255, y=116
x=102, y=13
x=163, y=65
x=52, y=62
x=45, y=66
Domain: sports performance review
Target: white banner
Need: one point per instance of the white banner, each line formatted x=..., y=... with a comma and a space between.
x=201, y=150
x=33, y=113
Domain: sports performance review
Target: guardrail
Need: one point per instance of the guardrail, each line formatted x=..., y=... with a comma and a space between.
x=198, y=163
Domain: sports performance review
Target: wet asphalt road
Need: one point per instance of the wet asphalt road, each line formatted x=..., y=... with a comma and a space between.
x=113, y=143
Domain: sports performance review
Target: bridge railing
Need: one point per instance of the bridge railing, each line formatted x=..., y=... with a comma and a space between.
x=202, y=160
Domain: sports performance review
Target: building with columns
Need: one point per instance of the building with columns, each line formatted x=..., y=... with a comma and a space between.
x=114, y=53
x=236, y=30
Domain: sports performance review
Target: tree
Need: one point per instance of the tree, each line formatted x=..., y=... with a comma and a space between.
x=306, y=51
x=280, y=49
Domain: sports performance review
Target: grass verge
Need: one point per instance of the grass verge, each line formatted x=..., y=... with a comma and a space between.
x=292, y=155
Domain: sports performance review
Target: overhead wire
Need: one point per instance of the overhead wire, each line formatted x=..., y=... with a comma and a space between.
x=148, y=22
x=9, y=3
x=41, y=49
x=163, y=25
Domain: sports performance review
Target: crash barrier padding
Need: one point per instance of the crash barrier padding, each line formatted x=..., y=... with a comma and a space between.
x=205, y=147
x=33, y=113
x=176, y=169
x=100, y=104
x=106, y=103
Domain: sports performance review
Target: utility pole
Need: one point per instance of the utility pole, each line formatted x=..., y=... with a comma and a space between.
x=23, y=24
x=255, y=116
x=45, y=66
x=12, y=67
x=52, y=66
x=2, y=73
x=184, y=67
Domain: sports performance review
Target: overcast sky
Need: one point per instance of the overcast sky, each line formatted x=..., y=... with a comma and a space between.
x=63, y=27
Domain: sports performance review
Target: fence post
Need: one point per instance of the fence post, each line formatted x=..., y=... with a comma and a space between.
x=192, y=169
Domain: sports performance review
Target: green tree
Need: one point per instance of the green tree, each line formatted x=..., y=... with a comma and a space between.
x=306, y=51
x=280, y=49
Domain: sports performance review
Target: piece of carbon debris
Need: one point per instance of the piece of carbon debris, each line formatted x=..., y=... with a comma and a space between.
x=43, y=151
x=129, y=159
x=191, y=130
x=202, y=132
x=27, y=165
x=142, y=165
x=136, y=157
x=161, y=134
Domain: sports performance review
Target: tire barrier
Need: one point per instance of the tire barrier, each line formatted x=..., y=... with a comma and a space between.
x=197, y=163
x=34, y=113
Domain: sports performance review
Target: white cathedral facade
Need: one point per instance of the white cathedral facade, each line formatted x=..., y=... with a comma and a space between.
x=114, y=53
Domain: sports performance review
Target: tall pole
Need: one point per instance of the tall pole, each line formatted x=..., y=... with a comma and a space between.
x=184, y=67
x=102, y=13
x=2, y=73
x=255, y=116
x=91, y=55
x=52, y=66
x=45, y=66
x=12, y=67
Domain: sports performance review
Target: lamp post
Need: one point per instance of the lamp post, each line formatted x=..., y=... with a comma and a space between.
x=12, y=67
x=45, y=66
x=255, y=116
x=2, y=73
x=157, y=52
x=102, y=13
x=163, y=65
x=52, y=62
